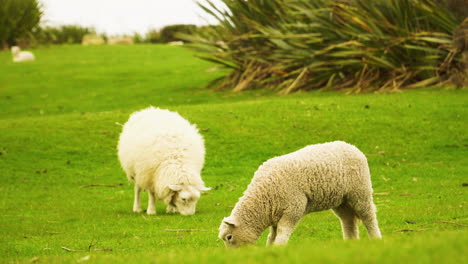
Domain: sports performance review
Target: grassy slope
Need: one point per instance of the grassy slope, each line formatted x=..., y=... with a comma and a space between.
x=58, y=132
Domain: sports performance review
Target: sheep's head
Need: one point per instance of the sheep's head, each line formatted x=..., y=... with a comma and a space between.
x=235, y=234
x=15, y=50
x=184, y=198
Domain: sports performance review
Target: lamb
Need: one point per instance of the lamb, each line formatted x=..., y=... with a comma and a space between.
x=163, y=154
x=19, y=56
x=333, y=175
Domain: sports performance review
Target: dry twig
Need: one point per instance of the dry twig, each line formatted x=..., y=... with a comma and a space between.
x=86, y=250
x=443, y=222
x=434, y=222
x=186, y=230
x=381, y=194
x=410, y=230
x=102, y=185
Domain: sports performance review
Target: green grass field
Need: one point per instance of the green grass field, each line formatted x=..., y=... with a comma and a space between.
x=59, y=128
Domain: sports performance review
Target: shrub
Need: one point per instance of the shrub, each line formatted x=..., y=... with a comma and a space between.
x=207, y=32
x=153, y=36
x=357, y=45
x=138, y=38
x=67, y=34
x=458, y=7
x=17, y=19
x=174, y=33
x=168, y=33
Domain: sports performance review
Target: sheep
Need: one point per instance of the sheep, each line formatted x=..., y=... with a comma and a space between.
x=19, y=56
x=92, y=39
x=120, y=41
x=163, y=154
x=332, y=175
x=176, y=43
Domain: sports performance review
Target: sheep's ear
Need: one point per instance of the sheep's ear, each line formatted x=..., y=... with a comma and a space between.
x=204, y=189
x=175, y=187
x=231, y=221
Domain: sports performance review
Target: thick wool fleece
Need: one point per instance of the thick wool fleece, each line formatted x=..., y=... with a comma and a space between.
x=158, y=148
x=332, y=175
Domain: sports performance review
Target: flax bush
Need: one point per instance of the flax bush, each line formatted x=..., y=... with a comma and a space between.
x=357, y=45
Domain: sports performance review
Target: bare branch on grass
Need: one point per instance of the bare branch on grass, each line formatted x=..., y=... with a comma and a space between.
x=185, y=230
x=101, y=185
x=411, y=230
x=381, y=194
x=443, y=222
x=424, y=229
x=86, y=250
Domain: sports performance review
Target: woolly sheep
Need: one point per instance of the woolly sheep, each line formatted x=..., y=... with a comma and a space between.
x=92, y=39
x=163, y=154
x=176, y=43
x=120, y=41
x=332, y=175
x=19, y=56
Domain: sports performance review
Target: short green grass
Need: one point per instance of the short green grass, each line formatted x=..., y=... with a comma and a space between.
x=59, y=126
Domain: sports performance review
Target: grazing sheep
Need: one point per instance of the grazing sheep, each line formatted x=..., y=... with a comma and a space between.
x=176, y=43
x=163, y=154
x=332, y=175
x=92, y=39
x=120, y=41
x=20, y=56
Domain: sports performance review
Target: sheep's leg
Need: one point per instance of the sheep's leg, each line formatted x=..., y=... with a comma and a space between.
x=370, y=222
x=285, y=228
x=151, y=203
x=136, y=202
x=289, y=220
x=365, y=211
x=349, y=221
x=271, y=235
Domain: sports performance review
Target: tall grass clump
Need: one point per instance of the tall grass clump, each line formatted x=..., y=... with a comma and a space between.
x=358, y=45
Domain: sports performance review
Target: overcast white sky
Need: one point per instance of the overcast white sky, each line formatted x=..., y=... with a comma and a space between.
x=124, y=16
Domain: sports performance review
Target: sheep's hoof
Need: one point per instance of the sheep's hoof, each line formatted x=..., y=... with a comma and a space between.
x=150, y=212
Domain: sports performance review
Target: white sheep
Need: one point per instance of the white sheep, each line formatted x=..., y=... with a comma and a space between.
x=332, y=175
x=20, y=56
x=163, y=154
